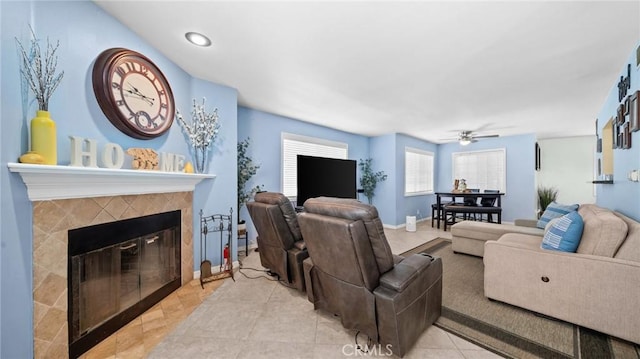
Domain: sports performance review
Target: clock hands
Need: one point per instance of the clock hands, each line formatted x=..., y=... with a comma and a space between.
x=137, y=92
x=134, y=95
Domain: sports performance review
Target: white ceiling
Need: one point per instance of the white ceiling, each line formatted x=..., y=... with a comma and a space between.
x=423, y=68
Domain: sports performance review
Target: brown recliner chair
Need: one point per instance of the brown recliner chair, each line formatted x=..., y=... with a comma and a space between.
x=352, y=273
x=280, y=243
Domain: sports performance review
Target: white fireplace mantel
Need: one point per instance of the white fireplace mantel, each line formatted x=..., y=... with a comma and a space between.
x=46, y=182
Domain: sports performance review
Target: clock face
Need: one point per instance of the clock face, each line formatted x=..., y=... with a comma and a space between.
x=133, y=93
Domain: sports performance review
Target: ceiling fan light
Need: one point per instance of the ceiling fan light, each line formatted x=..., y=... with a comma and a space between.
x=198, y=39
x=465, y=141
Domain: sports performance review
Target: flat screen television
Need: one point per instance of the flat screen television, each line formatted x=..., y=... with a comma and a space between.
x=320, y=176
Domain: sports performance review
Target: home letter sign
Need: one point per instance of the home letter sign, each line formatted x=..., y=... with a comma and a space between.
x=112, y=156
x=78, y=155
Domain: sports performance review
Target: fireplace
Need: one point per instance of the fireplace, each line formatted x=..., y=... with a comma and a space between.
x=118, y=270
x=66, y=198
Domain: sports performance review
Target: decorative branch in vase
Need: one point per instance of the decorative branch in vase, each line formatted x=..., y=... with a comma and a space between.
x=201, y=132
x=38, y=70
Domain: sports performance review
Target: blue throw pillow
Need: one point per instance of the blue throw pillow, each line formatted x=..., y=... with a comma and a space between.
x=555, y=210
x=564, y=233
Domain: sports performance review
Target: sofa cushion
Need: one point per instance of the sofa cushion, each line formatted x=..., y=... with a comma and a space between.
x=564, y=233
x=484, y=231
x=555, y=210
x=604, y=232
x=630, y=248
x=549, y=224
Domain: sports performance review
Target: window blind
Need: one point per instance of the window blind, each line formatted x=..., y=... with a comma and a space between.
x=481, y=169
x=418, y=168
x=294, y=145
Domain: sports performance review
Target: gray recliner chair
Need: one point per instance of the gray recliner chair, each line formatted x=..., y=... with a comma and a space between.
x=280, y=243
x=352, y=273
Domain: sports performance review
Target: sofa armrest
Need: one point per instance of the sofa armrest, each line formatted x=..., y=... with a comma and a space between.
x=405, y=272
x=526, y=222
x=593, y=291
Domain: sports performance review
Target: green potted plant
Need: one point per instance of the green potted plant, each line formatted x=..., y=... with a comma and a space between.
x=546, y=195
x=369, y=179
x=246, y=170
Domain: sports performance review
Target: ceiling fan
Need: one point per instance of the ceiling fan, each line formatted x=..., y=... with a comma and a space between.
x=467, y=137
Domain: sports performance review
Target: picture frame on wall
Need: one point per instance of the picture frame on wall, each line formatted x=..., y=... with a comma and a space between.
x=634, y=111
x=620, y=114
x=626, y=136
x=618, y=139
x=626, y=105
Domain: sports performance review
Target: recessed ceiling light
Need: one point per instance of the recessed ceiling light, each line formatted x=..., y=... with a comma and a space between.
x=197, y=38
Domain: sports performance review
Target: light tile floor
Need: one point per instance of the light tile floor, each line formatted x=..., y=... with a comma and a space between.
x=256, y=317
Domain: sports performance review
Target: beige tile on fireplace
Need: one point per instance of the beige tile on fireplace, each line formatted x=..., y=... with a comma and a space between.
x=51, y=222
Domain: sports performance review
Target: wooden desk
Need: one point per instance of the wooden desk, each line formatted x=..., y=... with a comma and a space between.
x=454, y=195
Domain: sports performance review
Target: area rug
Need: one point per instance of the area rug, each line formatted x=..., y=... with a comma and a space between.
x=507, y=330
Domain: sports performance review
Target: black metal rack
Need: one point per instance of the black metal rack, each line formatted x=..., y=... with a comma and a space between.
x=210, y=225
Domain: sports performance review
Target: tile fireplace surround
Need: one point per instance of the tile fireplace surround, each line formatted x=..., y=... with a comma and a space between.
x=52, y=218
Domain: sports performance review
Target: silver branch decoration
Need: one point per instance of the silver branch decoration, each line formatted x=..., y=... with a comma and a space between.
x=201, y=132
x=39, y=70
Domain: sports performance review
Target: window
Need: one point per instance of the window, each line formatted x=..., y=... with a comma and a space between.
x=418, y=172
x=293, y=145
x=481, y=169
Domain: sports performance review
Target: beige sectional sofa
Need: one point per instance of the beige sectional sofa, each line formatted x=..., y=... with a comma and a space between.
x=469, y=236
x=597, y=287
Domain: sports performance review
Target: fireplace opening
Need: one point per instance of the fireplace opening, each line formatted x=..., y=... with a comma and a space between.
x=118, y=270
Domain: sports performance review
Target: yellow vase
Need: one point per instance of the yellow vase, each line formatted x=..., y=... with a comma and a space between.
x=43, y=137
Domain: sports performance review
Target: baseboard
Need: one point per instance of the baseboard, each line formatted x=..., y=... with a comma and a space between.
x=403, y=225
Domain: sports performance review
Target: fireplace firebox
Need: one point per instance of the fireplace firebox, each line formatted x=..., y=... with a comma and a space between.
x=118, y=270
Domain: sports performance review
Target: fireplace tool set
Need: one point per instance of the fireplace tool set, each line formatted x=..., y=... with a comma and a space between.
x=213, y=224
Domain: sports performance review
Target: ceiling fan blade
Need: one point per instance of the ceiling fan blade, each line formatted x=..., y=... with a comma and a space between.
x=485, y=136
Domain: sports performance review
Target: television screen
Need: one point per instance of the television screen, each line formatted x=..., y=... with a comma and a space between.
x=320, y=176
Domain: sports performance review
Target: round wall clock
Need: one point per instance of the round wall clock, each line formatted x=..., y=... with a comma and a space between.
x=133, y=93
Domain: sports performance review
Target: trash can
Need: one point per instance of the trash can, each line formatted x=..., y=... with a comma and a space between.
x=411, y=223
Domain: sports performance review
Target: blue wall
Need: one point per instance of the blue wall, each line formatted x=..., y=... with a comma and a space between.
x=383, y=159
x=623, y=195
x=387, y=152
x=84, y=31
x=410, y=205
x=265, y=132
x=520, y=198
